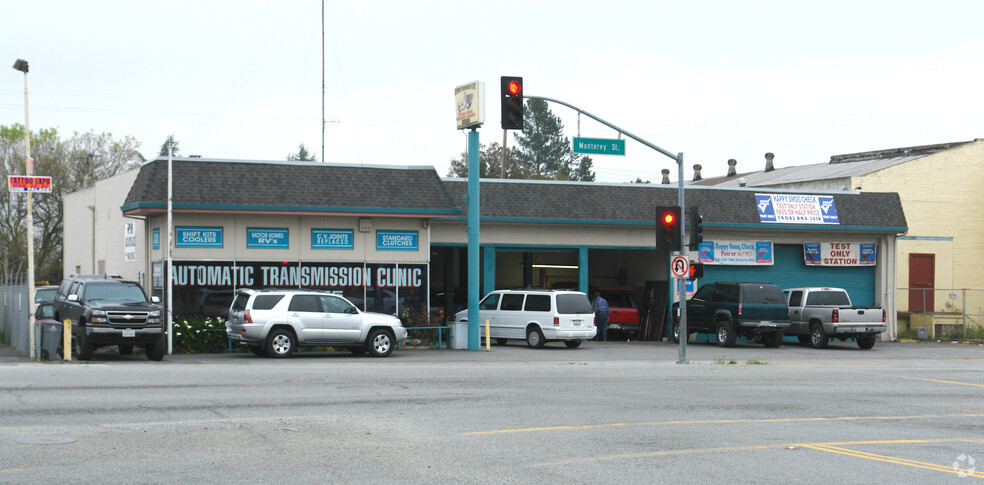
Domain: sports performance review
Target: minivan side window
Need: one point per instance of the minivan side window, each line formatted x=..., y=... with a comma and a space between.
x=266, y=302
x=538, y=303
x=512, y=302
x=490, y=302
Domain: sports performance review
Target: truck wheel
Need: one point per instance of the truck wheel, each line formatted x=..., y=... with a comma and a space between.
x=772, y=340
x=85, y=347
x=280, y=343
x=866, y=341
x=676, y=332
x=156, y=350
x=726, y=334
x=818, y=338
x=379, y=343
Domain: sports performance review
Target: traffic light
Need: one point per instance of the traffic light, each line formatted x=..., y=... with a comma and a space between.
x=696, y=228
x=696, y=270
x=668, y=224
x=512, y=102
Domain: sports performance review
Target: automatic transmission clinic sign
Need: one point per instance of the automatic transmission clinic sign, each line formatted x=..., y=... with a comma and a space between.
x=796, y=209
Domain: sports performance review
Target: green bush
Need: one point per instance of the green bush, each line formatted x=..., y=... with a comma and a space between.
x=200, y=335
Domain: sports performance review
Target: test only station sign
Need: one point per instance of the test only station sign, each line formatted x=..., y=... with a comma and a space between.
x=599, y=146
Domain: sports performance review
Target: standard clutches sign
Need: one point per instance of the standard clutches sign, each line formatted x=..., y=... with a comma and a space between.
x=840, y=253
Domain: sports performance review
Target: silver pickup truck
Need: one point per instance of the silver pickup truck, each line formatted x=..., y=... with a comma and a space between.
x=819, y=314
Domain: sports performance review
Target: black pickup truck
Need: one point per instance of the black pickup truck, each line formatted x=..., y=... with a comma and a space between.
x=110, y=311
x=732, y=309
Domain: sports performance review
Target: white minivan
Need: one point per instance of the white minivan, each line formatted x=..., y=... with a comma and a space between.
x=538, y=316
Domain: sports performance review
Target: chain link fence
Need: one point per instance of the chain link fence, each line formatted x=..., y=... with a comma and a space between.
x=944, y=314
x=14, y=308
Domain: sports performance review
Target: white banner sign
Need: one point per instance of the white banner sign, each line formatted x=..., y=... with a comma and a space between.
x=840, y=253
x=130, y=242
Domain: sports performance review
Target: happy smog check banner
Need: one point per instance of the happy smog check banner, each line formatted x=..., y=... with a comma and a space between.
x=737, y=253
x=839, y=253
x=796, y=209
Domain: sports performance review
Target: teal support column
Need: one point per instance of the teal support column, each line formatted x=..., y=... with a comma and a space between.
x=488, y=268
x=582, y=270
x=474, y=213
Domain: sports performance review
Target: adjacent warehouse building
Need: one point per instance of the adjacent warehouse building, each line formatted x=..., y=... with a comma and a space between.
x=394, y=239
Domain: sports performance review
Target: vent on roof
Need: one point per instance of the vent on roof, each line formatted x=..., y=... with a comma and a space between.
x=666, y=176
x=768, y=162
x=731, y=167
x=697, y=176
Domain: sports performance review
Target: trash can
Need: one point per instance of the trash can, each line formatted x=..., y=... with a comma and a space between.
x=50, y=339
x=922, y=333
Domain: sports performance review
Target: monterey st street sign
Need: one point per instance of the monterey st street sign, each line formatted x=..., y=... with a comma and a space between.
x=599, y=146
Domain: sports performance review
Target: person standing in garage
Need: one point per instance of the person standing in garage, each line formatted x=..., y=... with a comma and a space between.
x=601, y=316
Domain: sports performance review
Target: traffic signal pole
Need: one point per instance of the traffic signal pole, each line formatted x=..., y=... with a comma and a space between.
x=682, y=290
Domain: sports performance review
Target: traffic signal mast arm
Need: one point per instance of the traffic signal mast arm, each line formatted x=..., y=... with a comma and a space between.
x=678, y=158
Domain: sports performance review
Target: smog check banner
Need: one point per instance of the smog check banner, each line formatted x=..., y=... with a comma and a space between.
x=736, y=252
x=839, y=253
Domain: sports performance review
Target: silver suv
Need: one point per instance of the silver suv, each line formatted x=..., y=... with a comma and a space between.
x=538, y=316
x=276, y=322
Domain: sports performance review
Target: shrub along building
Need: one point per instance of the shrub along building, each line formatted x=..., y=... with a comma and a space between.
x=394, y=239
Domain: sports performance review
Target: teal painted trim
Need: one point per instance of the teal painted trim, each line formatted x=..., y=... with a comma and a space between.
x=582, y=271
x=281, y=208
x=812, y=227
x=549, y=247
x=488, y=269
x=925, y=238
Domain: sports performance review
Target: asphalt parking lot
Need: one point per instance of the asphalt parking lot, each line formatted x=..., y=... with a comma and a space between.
x=606, y=412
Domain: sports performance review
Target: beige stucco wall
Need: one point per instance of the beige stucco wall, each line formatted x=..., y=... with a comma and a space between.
x=106, y=248
x=942, y=199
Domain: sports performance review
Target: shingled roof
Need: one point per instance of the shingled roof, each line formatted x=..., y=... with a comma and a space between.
x=233, y=186
x=635, y=204
x=289, y=187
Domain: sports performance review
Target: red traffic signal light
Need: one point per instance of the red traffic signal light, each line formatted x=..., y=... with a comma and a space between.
x=668, y=230
x=515, y=87
x=511, y=89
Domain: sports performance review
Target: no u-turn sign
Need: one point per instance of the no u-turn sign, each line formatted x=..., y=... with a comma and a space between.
x=680, y=266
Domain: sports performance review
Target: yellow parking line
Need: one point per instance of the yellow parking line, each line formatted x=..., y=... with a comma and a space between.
x=718, y=421
x=893, y=459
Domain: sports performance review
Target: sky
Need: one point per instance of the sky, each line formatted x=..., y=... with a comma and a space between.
x=713, y=80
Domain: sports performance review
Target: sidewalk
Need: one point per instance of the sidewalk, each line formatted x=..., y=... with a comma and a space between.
x=10, y=354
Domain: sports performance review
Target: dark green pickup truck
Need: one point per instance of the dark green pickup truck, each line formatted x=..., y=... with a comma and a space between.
x=732, y=309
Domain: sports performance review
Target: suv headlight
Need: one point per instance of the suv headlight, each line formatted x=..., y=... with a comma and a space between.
x=98, y=316
x=154, y=317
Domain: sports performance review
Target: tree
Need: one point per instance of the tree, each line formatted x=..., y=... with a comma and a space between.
x=490, y=163
x=302, y=155
x=73, y=164
x=544, y=151
x=174, y=146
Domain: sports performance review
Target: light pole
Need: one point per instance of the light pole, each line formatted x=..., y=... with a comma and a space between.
x=21, y=65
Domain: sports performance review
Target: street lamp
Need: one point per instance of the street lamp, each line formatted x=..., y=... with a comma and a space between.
x=21, y=65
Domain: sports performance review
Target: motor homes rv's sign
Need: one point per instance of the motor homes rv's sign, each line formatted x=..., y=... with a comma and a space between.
x=839, y=253
x=796, y=209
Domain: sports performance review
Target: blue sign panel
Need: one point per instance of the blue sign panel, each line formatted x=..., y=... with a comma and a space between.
x=156, y=237
x=396, y=240
x=197, y=237
x=796, y=209
x=267, y=237
x=332, y=239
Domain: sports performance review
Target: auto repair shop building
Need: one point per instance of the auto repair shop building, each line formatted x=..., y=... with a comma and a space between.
x=394, y=239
